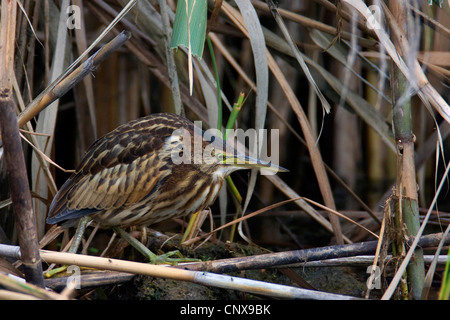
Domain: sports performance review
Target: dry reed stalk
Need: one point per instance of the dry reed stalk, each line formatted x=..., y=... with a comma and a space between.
x=14, y=158
x=316, y=158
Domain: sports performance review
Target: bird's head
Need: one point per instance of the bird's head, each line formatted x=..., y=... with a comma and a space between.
x=206, y=149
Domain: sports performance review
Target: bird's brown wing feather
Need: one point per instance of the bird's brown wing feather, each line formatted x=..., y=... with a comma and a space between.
x=119, y=169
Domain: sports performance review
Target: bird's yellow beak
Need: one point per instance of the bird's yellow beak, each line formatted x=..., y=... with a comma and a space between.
x=248, y=162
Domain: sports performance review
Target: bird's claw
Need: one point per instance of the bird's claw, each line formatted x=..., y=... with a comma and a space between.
x=53, y=272
x=168, y=258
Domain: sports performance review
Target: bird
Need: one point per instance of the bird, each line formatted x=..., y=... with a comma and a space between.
x=146, y=171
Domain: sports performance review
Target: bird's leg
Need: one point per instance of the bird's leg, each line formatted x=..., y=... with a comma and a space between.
x=81, y=228
x=82, y=224
x=190, y=226
x=154, y=259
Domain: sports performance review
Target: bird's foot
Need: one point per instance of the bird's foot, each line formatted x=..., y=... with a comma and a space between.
x=55, y=271
x=172, y=258
x=166, y=258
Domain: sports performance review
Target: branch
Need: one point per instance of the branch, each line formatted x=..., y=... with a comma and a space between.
x=57, y=90
x=299, y=256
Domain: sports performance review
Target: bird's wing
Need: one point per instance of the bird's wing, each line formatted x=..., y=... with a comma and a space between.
x=119, y=169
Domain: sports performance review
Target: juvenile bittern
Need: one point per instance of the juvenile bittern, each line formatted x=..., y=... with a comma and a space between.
x=140, y=174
